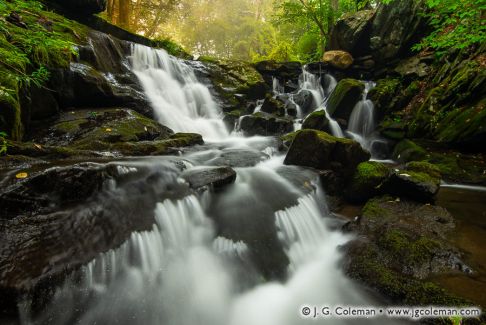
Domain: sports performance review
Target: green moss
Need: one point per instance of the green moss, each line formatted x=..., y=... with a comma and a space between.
x=374, y=210
x=342, y=100
x=289, y=137
x=424, y=167
x=26, y=52
x=407, y=150
x=383, y=94
x=366, y=181
x=172, y=48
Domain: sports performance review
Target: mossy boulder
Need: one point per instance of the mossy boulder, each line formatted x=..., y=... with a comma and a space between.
x=318, y=121
x=367, y=181
x=347, y=93
x=403, y=243
x=320, y=150
x=407, y=150
x=383, y=95
x=393, y=129
x=273, y=105
x=417, y=180
x=265, y=124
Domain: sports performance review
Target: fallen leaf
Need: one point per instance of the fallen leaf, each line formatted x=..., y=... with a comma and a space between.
x=108, y=130
x=38, y=146
x=21, y=175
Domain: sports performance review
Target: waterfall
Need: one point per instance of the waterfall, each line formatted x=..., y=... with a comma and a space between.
x=179, y=100
x=361, y=124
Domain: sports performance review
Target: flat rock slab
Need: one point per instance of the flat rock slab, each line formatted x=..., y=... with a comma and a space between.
x=210, y=176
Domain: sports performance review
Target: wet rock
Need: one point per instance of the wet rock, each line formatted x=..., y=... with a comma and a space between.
x=273, y=106
x=418, y=180
x=393, y=129
x=338, y=59
x=289, y=71
x=305, y=100
x=238, y=158
x=347, y=93
x=367, y=181
x=350, y=32
x=216, y=177
x=317, y=121
x=51, y=190
x=265, y=124
x=320, y=150
x=83, y=7
x=401, y=244
x=407, y=150
x=80, y=129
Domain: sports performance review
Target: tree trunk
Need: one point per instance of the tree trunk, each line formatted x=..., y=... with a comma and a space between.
x=124, y=13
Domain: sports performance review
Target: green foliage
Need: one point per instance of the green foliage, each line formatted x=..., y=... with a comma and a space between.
x=457, y=24
x=41, y=39
x=3, y=143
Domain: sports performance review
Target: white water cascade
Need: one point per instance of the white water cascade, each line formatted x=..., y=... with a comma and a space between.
x=179, y=100
x=361, y=123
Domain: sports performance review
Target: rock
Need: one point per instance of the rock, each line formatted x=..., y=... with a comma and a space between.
x=273, y=106
x=347, y=93
x=412, y=68
x=320, y=150
x=367, y=181
x=38, y=104
x=305, y=100
x=265, y=124
x=317, y=121
x=281, y=70
x=216, y=177
x=407, y=150
x=231, y=118
x=401, y=244
x=52, y=190
x=238, y=158
x=392, y=129
x=395, y=26
x=350, y=32
x=383, y=96
x=83, y=7
x=338, y=59
x=419, y=181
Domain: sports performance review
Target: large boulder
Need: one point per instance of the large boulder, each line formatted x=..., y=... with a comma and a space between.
x=83, y=7
x=350, y=32
x=318, y=121
x=338, y=59
x=345, y=96
x=383, y=95
x=400, y=245
x=407, y=150
x=320, y=150
x=395, y=27
x=265, y=124
x=273, y=105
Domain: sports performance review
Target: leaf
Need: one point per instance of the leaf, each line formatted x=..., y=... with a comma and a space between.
x=21, y=175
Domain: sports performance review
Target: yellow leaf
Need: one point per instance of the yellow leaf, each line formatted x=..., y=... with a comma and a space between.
x=21, y=175
x=38, y=146
x=108, y=130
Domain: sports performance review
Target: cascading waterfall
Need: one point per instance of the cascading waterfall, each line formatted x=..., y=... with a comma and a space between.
x=361, y=123
x=179, y=100
x=181, y=272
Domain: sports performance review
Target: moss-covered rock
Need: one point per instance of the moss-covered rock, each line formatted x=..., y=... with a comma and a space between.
x=393, y=129
x=317, y=121
x=321, y=150
x=418, y=180
x=383, y=95
x=344, y=97
x=273, y=105
x=261, y=123
x=367, y=181
x=407, y=150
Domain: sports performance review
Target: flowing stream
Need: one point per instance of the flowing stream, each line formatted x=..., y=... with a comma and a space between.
x=254, y=253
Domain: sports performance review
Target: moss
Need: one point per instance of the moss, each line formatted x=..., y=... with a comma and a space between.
x=344, y=97
x=383, y=95
x=289, y=137
x=172, y=48
x=366, y=181
x=374, y=210
x=48, y=40
x=424, y=167
x=407, y=150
